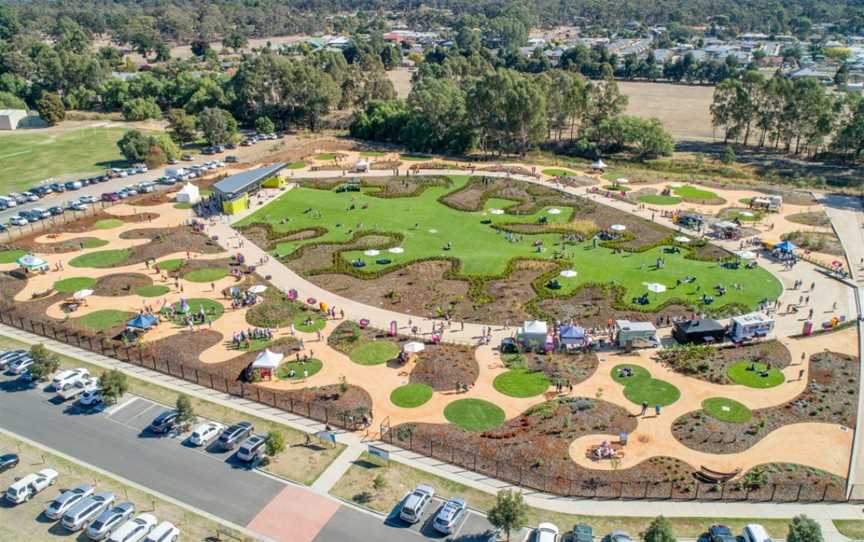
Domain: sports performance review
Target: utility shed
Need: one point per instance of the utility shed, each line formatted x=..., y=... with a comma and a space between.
x=233, y=192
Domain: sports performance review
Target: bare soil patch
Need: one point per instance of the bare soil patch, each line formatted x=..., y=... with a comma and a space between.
x=825, y=242
x=818, y=219
x=120, y=284
x=683, y=109
x=62, y=247
x=443, y=366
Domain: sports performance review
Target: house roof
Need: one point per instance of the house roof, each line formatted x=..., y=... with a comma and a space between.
x=229, y=186
x=751, y=319
x=627, y=325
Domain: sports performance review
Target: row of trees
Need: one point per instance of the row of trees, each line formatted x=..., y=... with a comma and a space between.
x=507, y=111
x=798, y=115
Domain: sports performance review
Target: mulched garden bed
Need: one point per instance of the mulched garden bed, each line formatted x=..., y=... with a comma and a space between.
x=443, y=366
x=569, y=368
x=538, y=441
x=825, y=242
x=120, y=284
x=61, y=247
x=592, y=306
x=711, y=363
x=170, y=240
x=311, y=259
x=529, y=197
x=831, y=397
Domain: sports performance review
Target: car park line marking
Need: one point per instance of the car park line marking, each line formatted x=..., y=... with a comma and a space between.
x=116, y=408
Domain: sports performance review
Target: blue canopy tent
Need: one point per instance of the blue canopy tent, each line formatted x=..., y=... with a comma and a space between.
x=143, y=322
x=785, y=246
x=570, y=335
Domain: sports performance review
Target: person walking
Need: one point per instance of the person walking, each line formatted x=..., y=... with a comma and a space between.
x=657, y=410
x=644, y=408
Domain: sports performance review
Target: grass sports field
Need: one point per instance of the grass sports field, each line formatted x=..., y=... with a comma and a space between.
x=427, y=226
x=26, y=159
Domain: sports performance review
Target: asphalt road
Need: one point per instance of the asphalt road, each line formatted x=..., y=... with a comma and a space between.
x=213, y=481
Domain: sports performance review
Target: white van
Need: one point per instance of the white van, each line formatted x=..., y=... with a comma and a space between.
x=9, y=202
x=755, y=533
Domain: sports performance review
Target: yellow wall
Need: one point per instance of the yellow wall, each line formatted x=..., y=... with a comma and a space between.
x=235, y=206
x=274, y=182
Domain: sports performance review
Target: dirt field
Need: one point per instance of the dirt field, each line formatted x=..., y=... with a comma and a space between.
x=401, y=79
x=682, y=109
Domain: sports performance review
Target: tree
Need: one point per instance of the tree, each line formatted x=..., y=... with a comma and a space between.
x=728, y=156
x=183, y=126
x=200, y=47
x=134, y=146
x=274, y=443
x=264, y=125
x=804, y=529
x=651, y=139
x=141, y=109
x=51, y=108
x=113, y=384
x=185, y=410
x=510, y=511
x=659, y=530
x=217, y=125
x=236, y=41
x=10, y=101
x=45, y=363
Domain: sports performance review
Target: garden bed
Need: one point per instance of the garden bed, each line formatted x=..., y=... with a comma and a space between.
x=712, y=364
x=120, y=284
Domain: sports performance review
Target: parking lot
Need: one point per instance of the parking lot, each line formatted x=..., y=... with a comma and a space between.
x=472, y=526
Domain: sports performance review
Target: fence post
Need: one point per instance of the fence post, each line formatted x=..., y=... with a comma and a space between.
x=798, y=495
x=773, y=490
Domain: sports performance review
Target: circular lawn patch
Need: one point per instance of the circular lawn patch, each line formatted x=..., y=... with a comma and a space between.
x=726, y=410
x=558, y=172
x=101, y=259
x=374, y=352
x=170, y=265
x=316, y=324
x=73, y=284
x=104, y=319
x=693, y=193
x=474, y=414
x=521, y=382
x=11, y=256
x=311, y=366
x=657, y=199
x=325, y=156
x=154, y=290
x=296, y=165
x=92, y=243
x=640, y=387
x=411, y=395
x=745, y=201
x=755, y=375
x=108, y=224
x=212, y=309
x=208, y=274
x=637, y=373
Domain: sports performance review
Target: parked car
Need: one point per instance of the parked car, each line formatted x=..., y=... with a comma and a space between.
x=41, y=191
x=173, y=161
x=31, y=197
x=56, y=210
x=18, y=221
x=146, y=187
x=76, y=206
x=79, y=388
x=68, y=377
x=108, y=521
x=416, y=503
x=8, y=461
x=235, y=434
x=617, y=536
x=205, y=433
x=91, y=397
x=67, y=500
x=110, y=196
x=135, y=530
x=164, y=422
x=57, y=187
x=187, y=158
x=87, y=199
x=103, y=178
x=582, y=533
x=25, y=488
x=251, y=448
x=8, y=357
x=73, y=185
x=167, y=181
x=86, y=511
x=720, y=533
x=8, y=202
x=231, y=159
x=546, y=532
x=20, y=365
x=450, y=515
x=754, y=532
x=164, y=532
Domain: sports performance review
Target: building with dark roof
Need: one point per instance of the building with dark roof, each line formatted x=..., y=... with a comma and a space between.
x=233, y=192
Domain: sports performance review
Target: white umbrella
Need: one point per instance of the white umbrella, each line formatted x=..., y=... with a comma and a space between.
x=413, y=347
x=258, y=288
x=554, y=211
x=433, y=231
x=746, y=213
x=568, y=273
x=746, y=254
x=496, y=211
x=81, y=294
x=682, y=239
x=675, y=185
x=618, y=227
x=396, y=250
x=371, y=252
x=622, y=181
x=655, y=287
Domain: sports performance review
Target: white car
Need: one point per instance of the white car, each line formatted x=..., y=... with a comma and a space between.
x=66, y=500
x=416, y=503
x=25, y=488
x=165, y=532
x=135, y=529
x=205, y=433
x=91, y=397
x=69, y=377
x=18, y=221
x=87, y=199
x=20, y=365
x=546, y=532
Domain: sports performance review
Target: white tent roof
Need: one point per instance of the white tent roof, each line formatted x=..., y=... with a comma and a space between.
x=598, y=164
x=31, y=261
x=267, y=360
x=189, y=189
x=535, y=327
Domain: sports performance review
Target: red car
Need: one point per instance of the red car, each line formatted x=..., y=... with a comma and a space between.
x=110, y=196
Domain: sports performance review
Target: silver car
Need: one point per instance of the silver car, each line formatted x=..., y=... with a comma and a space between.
x=109, y=520
x=65, y=501
x=85, y=511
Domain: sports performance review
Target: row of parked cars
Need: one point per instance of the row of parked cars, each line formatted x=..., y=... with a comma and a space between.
x=239, y=436
x=83, y=509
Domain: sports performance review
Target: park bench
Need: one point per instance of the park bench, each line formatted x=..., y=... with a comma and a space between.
x=715, y=477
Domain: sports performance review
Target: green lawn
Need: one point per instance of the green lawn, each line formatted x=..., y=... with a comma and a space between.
x=104, y=319
x=852, y=528
x=474, y=414
x=641, y=387
x=373, y=153
x=311, y=365
x=11, y=256
x=726, y=410
x=558, y=172
x=154, y=290
x=212, y=309
x=94, y=243
x=485, y=251
x=73, y=284
x=183, y=206
x=317, y=323
x=414, y=157
x=294, y=165
x=170, y=265
x=745, y=201
x=101, y=258
x=521, y=382
x=208, y=274
x=374, y=352
x=31, y=156
x=411, y=395
x=744, y=215
x=740, y=373
x=108, y=224
x=693, y=193
x=657, y=199
x=325, y=156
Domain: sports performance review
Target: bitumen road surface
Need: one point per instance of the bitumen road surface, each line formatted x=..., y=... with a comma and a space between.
x=117, y=441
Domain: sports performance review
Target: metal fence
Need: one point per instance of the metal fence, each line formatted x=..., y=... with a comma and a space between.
x=144, y=356
x=49, y=224
x=540, y=477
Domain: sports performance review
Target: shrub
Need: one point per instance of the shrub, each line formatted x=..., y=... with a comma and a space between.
x=114, y=384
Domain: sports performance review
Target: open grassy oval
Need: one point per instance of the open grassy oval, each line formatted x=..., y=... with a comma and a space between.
x=411, y=395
